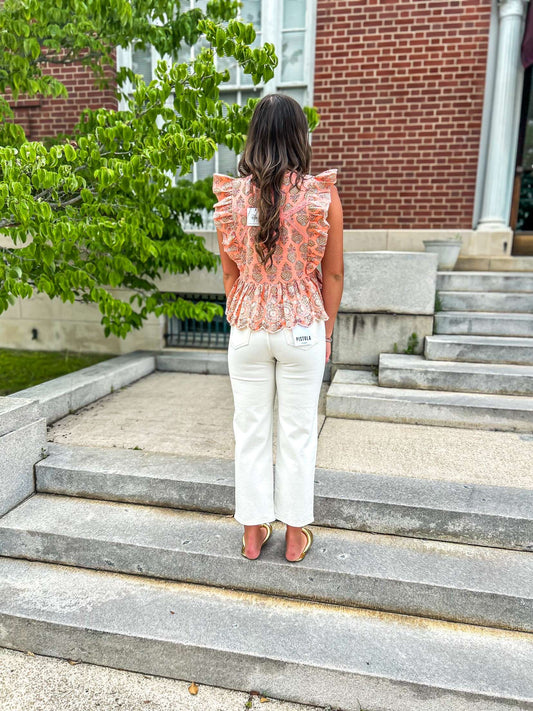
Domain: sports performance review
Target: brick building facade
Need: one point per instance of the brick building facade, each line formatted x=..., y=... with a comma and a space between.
x=400, y=89
x=45, y=116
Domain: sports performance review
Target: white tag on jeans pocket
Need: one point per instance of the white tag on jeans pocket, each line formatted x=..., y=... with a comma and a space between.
x=302, y=335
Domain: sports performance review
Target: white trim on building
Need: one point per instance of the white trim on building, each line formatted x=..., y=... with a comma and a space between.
x=501, y=117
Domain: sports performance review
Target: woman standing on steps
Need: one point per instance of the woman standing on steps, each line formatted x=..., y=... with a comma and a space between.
x=276, y=224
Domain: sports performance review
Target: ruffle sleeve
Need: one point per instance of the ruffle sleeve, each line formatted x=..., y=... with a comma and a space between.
x=319, y=200
x=328, y=177
x=224, y=216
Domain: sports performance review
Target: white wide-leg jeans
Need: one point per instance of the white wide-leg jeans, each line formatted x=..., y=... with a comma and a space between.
x=291, y=362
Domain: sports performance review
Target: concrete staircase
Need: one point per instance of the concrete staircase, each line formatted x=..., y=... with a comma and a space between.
x=416, y=594
x=477, y=367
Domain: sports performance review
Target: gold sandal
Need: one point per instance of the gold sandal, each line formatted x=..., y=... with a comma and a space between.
x=309, y=535
x=268, y=527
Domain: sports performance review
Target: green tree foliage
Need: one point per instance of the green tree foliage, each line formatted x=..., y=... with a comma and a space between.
x=99, y=209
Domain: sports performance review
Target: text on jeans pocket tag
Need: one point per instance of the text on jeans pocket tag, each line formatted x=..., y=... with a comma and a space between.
x=302, y=335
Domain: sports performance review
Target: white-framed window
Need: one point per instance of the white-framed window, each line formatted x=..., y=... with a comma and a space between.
x=289, y=25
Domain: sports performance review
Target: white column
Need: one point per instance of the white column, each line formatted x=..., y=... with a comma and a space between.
x=497, y=191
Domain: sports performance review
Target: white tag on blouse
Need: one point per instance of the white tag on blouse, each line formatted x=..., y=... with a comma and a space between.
x=253, y=217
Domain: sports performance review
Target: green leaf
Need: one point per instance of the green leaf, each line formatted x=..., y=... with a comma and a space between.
x=47, y=254
x=115, y=278
x=70, y=153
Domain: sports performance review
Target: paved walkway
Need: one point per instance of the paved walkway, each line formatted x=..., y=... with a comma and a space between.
x=187, y=413
x=37, y=683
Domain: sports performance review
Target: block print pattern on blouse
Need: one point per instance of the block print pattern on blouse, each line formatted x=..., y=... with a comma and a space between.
x=288, y=291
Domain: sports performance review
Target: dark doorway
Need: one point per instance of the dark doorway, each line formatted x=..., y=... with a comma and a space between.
x=522, y=205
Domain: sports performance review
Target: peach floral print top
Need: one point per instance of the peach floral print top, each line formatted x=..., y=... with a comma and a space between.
x=288, y=292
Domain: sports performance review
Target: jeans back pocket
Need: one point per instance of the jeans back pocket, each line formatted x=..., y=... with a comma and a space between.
x=239, y=337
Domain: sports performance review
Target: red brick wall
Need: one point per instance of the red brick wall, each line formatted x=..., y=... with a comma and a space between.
x=48, y=116
x=399, y=86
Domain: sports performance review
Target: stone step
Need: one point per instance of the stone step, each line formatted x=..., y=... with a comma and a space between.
x=449, y=581
x=350, y=396
x=466, y=513
x=193, y=360
x=512, y=263
x=485, y=281
x=484, y=324
x=486, y=301
x=202, y=360
x=305, y=652
x=479, y=349
x=414, y=371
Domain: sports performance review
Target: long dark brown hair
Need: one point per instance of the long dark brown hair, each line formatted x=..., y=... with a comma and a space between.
x=277, y=141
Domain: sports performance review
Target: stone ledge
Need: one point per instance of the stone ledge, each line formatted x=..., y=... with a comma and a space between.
x=69, y=392
x=389, y=282
x=20, y=449
x=15, y=413
x=360, y=338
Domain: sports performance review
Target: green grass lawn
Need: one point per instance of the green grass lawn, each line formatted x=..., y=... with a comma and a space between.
x=21, y=369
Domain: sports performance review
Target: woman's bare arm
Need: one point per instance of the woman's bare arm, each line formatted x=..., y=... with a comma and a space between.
x=230, y=271
x=332, y=265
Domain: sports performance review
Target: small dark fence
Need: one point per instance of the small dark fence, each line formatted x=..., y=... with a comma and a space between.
x=199, y=334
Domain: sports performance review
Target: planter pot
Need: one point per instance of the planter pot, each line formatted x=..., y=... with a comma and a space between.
x=447, y=249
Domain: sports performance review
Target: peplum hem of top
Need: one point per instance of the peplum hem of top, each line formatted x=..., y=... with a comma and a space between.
x=272, y=307
x=317, y=205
